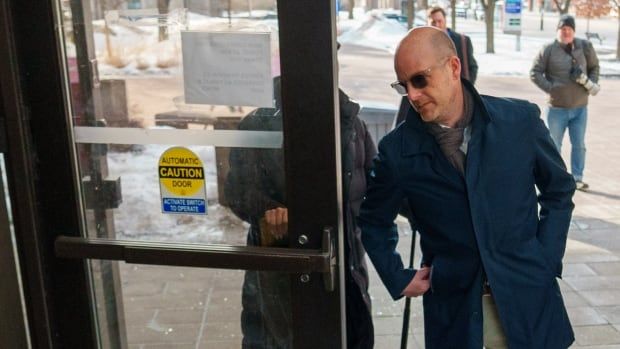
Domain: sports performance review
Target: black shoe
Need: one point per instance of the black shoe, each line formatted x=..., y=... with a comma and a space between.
x=582, y=185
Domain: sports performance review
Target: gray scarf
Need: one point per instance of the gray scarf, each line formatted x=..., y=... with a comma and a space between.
x=451, y=139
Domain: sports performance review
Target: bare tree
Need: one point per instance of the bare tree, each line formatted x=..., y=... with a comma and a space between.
x=591, y=9
x=616, y=5
x=453, y=14
x=410, y=14
x=351, y=6
x=489, y=13
x=562, y=6
x=108, y=5
x=162, y=7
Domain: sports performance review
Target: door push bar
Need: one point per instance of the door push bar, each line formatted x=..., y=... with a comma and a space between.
x=303, y=261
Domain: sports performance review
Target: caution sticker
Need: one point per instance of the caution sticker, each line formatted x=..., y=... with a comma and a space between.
x=182, y=182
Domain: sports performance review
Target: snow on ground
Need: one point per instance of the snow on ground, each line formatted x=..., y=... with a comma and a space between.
x=375, y=31
x=139, y=217
x=135, y=50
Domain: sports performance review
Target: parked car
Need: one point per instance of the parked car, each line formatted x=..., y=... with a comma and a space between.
x=396, y=16
x=420, y=17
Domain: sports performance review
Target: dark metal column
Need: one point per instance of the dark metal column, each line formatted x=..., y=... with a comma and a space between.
x=105, y=274
x=312, y=159
x=40, y=175
x=12, y=318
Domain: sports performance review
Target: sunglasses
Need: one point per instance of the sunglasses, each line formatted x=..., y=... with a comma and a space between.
x=418, y=81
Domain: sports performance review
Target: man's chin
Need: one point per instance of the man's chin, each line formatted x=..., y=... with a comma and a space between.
x=427, y=117
x=426, y=114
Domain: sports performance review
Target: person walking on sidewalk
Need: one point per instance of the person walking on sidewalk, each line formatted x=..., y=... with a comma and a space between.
x=567, y=69
x=492, y=201
x=464, y=48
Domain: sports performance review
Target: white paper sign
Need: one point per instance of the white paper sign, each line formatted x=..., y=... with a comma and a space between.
x=225, y=68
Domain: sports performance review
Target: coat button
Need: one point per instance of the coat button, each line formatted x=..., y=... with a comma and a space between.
x=349, y=173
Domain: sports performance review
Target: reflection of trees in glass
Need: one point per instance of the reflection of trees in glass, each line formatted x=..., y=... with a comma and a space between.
x=112, y=57
x=162, y=7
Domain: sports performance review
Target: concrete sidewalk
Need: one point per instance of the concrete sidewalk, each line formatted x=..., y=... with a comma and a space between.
x=591, y=278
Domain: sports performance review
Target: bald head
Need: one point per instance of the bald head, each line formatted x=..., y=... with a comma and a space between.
x=428, y=68
x=426, y=42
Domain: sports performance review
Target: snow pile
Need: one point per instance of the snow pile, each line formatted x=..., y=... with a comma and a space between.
x=132, y=50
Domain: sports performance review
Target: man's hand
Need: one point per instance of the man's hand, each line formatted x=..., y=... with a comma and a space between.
x=419, y=284
x=576, y=74
x=277, y=221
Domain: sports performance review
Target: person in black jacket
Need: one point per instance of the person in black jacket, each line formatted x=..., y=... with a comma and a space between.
x=255, y=192
x=462, y=42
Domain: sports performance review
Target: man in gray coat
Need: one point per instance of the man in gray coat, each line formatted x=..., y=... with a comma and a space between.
x=567, y=69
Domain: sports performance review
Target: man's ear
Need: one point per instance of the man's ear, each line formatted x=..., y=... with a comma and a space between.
x=455, y=67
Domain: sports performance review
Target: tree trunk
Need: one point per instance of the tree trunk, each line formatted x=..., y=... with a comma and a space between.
x=453, y=14
x=562, y=6
x=410, y=13
x=162, y=6
x=489, y=13
x=351, y=6
x=618, y=42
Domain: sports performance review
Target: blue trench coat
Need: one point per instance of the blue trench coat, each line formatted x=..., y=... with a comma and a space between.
x=487, y=223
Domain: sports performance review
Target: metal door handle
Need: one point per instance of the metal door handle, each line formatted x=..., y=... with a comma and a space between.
x=289, y=260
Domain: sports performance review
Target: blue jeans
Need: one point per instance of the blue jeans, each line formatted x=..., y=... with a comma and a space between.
x=558, y=119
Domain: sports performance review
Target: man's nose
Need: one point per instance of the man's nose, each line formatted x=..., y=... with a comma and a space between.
x=413, y=93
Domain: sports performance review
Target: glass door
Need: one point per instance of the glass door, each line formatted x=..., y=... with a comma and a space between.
x=200, y=142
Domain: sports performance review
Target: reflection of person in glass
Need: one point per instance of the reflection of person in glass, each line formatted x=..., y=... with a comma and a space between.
x=255, y=192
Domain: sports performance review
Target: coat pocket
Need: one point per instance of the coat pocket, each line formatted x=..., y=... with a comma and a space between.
x=452, y=276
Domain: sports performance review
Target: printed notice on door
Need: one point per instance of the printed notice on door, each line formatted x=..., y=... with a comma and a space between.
x=225, y=68
x=182, y=182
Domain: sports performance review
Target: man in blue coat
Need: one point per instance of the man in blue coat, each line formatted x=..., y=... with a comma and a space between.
x=470, y=167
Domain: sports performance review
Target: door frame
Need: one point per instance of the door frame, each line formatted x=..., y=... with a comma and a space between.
x=42, y=174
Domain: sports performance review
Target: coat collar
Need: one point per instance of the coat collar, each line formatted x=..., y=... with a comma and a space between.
x=417, y=140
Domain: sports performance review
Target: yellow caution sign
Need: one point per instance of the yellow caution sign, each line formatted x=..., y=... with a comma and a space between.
x=182, y=182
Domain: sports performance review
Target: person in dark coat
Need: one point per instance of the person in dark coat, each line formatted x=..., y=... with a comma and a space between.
x=255, y=192
x=464, y=48
x=474, y=170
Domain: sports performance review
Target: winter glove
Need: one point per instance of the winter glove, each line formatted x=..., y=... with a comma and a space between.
x=577, y=75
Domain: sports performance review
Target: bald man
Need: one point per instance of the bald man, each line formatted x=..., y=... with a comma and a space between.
x=470, y=167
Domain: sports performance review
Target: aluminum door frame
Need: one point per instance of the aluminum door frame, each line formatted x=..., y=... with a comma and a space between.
x=43, y=176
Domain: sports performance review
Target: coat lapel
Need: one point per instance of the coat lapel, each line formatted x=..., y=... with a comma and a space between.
x=418, y=141
x=474, y=147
